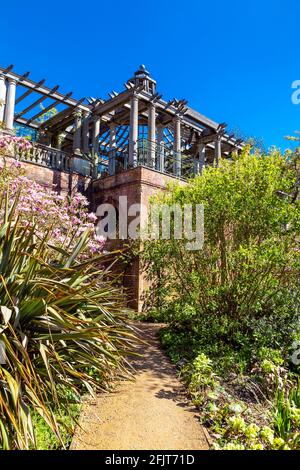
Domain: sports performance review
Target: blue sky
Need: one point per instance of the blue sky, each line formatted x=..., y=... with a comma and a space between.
x=233, y=61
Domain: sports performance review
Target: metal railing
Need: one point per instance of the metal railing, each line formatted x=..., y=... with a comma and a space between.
x=151, y=155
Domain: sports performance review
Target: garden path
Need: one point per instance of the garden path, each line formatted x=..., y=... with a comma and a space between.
x=151, y=412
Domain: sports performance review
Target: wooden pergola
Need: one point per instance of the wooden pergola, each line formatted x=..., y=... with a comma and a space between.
x=133, y=127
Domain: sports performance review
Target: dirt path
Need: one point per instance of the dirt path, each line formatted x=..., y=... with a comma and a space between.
x=150, y=413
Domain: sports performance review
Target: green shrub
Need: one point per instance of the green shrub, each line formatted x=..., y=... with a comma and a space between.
x=236, y=301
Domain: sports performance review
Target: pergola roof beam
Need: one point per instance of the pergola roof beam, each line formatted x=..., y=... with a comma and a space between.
x=171, y=109
x=25, y=75
x=7, y=70
x=48, y=108
x=59, y=118
x=113, y=103
x=39, y=101
x=116, y=101
x=30, y=84
x=28, y=92
x=23, y=122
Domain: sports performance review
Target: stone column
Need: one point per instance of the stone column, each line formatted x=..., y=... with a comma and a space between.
x=151, y=135
x=112, y=149
x=200, y=161
x=60, y=139
x=96, y=134
x=77, y=132
x=218, y=150
x=177, y=146
x=161, y=148
x=85, y=133
x=49, y=138
x=134, y=131
x=2, y=97
x=10, y=104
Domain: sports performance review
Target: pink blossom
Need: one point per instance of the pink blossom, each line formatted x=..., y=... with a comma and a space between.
x=64, y=218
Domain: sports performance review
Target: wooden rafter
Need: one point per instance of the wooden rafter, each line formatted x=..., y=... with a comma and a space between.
x=41, y=89
x=48, y=108
x=37, y=102
x=61, y=119
x=28, y=92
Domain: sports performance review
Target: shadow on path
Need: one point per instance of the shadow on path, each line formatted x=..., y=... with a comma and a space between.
x=150, y=412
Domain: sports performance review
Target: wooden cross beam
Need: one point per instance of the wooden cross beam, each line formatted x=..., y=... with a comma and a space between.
x=51, y=106
x=25, y=75
x=155, y=98
x=129, y=85
x=42, y=90
x=8, y=69
x=28, y=92
x=57, y=120
x=39, y=101
x=208, y=138
x=113, y=94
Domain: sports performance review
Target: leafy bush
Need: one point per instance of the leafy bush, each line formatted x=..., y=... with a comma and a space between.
x=242, y=288
x=199, y=376
x=236, y=301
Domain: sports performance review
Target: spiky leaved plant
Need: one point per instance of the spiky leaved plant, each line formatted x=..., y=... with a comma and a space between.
x=62, y=327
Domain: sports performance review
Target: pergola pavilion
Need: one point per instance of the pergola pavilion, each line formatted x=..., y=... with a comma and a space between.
x=99, y=138
x=132, y=144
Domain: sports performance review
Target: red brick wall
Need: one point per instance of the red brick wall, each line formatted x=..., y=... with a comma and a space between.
x=57, y=180
x=138, y=184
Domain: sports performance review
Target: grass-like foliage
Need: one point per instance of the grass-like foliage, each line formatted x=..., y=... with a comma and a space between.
x=62, y=327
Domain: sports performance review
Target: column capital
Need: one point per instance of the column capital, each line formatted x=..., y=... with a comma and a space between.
x=77, y=113
x=12, y=81
x=85, y=113
x=178, y=117
x=61, y=136
x=96, y=117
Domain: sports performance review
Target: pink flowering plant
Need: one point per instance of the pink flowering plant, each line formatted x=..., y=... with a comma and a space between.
x=65, y=218
x=13, y=145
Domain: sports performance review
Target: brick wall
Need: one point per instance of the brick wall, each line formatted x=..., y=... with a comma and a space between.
x=138, y=184
x=59, y=181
